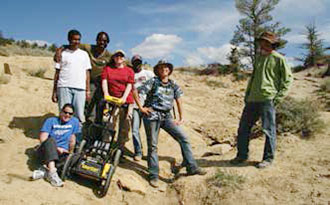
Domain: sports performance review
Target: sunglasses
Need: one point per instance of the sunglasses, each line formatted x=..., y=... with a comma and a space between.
x=67, y=113
x=119, y=55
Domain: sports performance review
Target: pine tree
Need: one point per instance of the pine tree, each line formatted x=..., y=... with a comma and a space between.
x=314, y=46
x=257, y=19
x=234, y=59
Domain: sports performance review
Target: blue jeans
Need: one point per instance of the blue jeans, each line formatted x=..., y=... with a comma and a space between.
x=76, y=97
x=251, y=113
x=136, y=124
x=152, y=128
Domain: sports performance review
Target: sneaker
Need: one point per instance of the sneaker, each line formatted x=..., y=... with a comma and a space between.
x=154, y=183
x=198, y=171
x=237, y=161
x=38, y=174
x=263, y=164
x=137, y=158
x=54, y=179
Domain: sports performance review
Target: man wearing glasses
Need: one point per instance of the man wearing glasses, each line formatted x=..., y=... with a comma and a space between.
x=57, y=138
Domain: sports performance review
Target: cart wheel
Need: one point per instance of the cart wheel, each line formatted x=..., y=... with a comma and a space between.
x=110, y=173
x=66, y=167
x=116, y=158
x=81, y=146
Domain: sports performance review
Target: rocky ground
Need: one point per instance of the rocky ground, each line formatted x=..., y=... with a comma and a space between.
x=212, y=108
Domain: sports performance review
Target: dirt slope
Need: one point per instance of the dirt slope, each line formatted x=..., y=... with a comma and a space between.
x=212, y=107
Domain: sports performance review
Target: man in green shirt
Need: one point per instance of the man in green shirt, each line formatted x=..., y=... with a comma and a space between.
x=270, y=81
x=99, y=57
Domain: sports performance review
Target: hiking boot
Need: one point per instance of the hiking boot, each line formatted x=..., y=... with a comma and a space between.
x=237, y=161
x=263, y=164
x=38, y=174
x=54, y=179
x=198, y=171
x=154, y=183
x=137, y=158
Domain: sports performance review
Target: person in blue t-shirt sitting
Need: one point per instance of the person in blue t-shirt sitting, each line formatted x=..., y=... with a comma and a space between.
x=57, y=138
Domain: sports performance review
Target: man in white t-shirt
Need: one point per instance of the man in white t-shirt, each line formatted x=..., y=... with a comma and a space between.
x=140, y=77
x=71, y=80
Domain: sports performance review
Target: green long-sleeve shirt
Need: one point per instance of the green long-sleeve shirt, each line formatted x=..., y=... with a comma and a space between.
x=270, y=80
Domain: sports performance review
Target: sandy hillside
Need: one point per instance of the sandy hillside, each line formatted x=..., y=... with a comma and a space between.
x=212, y=107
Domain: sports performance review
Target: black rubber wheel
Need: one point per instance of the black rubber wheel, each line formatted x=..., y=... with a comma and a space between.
x=111, y=173
x=66, y=167
x=81, y=146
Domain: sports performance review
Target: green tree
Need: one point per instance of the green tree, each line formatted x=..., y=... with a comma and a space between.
x=314, y=45
x=34, y=45
x=52, y=48
x=234, y=59
x=256, y=20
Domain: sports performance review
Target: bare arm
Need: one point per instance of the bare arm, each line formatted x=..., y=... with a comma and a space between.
x=127, y=91
x=105, y=87
x=136, y=97
x=43, y=136
x=54, y=95
x=58, y=54
x=88, y=92
x=72, y=143
x=180, y=111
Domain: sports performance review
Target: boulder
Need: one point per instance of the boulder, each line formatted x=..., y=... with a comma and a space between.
x=221, y=148
x=133, y=184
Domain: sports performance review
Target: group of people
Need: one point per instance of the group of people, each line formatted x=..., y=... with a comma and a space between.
x=85, y=74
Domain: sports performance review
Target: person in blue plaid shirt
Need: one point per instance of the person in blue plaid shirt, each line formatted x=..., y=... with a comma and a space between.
x=161, y=93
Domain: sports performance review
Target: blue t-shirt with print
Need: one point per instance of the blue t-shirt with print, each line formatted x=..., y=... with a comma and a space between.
x=61, y=131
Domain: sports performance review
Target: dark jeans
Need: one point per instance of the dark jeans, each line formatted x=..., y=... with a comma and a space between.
x=93, y=110
x=152, y=128
x=47, y=152
x=251, y=113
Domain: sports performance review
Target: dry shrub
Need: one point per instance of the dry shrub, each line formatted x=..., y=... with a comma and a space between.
x=299, y=116
x=40, y=73
x=4, y=79
x=325, y=86
x=10, y=50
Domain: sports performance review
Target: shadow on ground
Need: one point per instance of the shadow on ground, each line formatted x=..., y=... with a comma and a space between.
x=30, y=125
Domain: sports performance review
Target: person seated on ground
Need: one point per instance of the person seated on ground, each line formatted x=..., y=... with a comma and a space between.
x=57, y=138
x=161, y=93
x=99, y=57
x=117, y=81
x=140, y=77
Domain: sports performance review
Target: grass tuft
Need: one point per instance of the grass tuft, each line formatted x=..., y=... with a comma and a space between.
x=227, y=179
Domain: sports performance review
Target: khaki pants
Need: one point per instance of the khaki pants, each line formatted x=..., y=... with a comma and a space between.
x=124, y=114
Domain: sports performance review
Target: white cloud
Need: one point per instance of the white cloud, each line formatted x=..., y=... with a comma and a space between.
x=292, y=61
x=296, y=38
x=301, y=8
x=194, y=59
x=215, y=21
x=209, y=55
x=39, y=42
x=216, y=54
x=324, y=32
x=157, y=46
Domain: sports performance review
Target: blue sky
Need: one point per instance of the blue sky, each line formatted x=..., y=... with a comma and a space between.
x=186, y=32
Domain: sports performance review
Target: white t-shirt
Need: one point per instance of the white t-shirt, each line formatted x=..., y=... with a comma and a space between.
x=73, y=67
x=140, y=78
